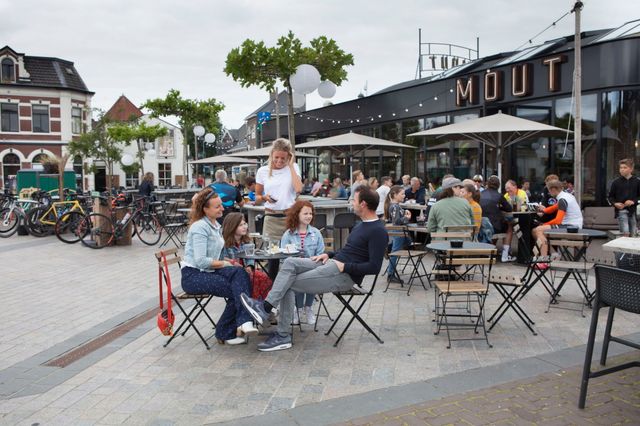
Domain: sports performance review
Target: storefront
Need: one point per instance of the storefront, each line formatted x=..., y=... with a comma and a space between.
x=534, y=83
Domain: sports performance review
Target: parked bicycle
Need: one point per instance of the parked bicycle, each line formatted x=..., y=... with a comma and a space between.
x=99, y=230
x=13, y=213
x=41, y=221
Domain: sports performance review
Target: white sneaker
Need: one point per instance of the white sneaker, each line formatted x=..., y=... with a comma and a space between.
x=508, y=258
x=296, y=316
x=311, y=318
x=247, y=328
x=236, y=341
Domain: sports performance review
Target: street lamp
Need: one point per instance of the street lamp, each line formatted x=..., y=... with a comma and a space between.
x=198, y=132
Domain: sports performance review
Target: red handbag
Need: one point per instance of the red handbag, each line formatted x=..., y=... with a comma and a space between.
x=165, y=318
x=260, y=285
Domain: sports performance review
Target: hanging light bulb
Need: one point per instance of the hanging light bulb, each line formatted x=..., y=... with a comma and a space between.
x=380, y=116
x=371, y=118
x=420, y=104
x=357, y=120
x=394, y=114
x=450, y=90
x=435, y=98
x=406, y=110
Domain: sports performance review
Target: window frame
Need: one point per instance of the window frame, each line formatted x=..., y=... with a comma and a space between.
x=12, y=75
x=3, y=105
x=40, y=118
x=164, y=169
x=132, y=180
x=76, y=121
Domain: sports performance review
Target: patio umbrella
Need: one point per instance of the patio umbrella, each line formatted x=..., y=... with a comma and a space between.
x=224, y=159
x=264, y=152
x=346, y=142
x=499, y=131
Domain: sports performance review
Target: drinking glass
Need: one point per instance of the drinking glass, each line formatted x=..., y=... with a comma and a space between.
x=249, y=249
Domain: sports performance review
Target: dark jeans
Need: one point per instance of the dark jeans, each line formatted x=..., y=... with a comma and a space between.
x=226, y=282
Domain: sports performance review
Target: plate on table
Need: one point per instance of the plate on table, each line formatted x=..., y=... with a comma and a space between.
x=287, y=251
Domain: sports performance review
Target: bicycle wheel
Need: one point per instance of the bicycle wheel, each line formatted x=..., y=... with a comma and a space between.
x=35, y=224
x=9, y=220
x=70, y=227
x=98, y=231
x=148, y=229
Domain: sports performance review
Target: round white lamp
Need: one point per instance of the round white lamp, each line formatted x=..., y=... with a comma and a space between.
x=326, y=89
x=209, y=138
x=305, y=80
x=127, y=159
x=298, y=100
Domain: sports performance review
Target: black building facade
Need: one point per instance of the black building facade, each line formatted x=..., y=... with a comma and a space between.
x=535, y=83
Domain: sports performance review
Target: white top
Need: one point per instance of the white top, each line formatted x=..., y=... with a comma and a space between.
x=383, y=191
x=573, y=216
x=279, y=186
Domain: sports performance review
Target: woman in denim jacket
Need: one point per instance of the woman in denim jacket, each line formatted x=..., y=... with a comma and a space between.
x=204, y=273
x=307, y=239
x=396, y=215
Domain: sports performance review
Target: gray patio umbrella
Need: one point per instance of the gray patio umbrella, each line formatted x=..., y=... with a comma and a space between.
x=346, y=142
x=264, y=152
x=499, y=131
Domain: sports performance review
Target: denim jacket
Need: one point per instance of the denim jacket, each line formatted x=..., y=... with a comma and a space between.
x=204, y=244
x=313, y=242
x=232, y=253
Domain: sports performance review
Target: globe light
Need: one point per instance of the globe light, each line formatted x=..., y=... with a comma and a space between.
x=305, y=80
x=326, y=89
x=148, y=146
x=151, y=152
x=198, y=131
x=209, y=138
x=298, y=100
x=127, y=159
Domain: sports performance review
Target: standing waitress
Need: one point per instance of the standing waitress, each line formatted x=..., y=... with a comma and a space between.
x=277, y=186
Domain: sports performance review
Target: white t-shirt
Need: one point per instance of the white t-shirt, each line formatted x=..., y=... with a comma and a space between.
x=383, y=191
x=279, y=186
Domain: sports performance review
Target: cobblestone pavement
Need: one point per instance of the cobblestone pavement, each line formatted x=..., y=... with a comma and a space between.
x=546, y=399
x=57, y=297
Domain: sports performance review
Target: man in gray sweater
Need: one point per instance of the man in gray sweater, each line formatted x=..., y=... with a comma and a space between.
x=450, y=210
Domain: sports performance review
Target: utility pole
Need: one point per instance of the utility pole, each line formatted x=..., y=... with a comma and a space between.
x=277, y=114
x=577, y=123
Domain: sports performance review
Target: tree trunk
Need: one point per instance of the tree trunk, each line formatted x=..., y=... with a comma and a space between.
x=140, y=157
x=185, y=148
x=62, y=161
x=290, y=118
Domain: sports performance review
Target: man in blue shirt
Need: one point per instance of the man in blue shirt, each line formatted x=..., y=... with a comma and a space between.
x=362, y=255
x=229, y=194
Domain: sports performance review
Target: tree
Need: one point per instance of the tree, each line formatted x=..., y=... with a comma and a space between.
x=99, y=144
x=255, y=64
x=137, y=131
x=190, y=113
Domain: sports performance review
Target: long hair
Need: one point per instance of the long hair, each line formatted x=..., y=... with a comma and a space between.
x=229, y=226
x=280, y=144
x=199, y=202
x=293, y=214
x=395, y=189
x=148, y=177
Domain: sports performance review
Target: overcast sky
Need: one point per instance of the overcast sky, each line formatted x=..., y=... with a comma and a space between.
x=143, y=48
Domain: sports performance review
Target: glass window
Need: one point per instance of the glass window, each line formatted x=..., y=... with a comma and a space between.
x=39, y=158
x=530, y=156
x=40, y=118
x=9, y=113
x=564, y=148
x=76, y=120
x=131, y=180
x=164, y=174
x=8, y=71
x=620, y=132
x=466, y=153
x=409, y=154
x=10, y=167
x=434, y=153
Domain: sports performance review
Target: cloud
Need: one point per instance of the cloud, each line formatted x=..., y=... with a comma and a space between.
x=143, y=48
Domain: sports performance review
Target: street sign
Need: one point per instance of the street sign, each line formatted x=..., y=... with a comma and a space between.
x=263, y=117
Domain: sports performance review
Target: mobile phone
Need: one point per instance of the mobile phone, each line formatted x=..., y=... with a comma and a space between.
x=273, y=199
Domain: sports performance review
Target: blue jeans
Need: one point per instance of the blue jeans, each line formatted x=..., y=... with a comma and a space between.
x=486, y=231
x=304, y=299
x=397, y=243
x=627, y=222
x=226, y=282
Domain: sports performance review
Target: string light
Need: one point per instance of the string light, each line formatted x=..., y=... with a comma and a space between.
x=373, y=117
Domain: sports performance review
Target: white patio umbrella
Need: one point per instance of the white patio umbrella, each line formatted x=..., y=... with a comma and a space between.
x=499, y=131
x=224, y=159
x=346, y=142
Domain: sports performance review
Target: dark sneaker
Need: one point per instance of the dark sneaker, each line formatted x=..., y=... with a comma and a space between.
x=275, y=343
x=255, y=308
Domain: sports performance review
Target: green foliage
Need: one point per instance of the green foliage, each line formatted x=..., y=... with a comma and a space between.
x=132, y=169
x=190, y=112
x=253, y=63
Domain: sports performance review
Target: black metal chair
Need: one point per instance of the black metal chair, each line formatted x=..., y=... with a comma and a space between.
x=341, y=222
x=201, y=300
x=345, y=297
x=615, y=288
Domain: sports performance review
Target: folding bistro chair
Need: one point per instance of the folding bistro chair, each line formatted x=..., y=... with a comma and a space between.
x=328, y=246
x=471, y=229
x=456, y=290
x=574, y=265
x=534, y=274
x=174, y=227
x=345, y=297
x=615, y=288
x=342, y=222
x=201, y=300
x=411, y=256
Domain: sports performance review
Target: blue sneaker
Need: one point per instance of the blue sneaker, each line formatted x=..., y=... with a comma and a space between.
x=255, y=308
x=275, y=343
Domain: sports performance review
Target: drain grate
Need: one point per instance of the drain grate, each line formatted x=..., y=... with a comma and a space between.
x=96, y=343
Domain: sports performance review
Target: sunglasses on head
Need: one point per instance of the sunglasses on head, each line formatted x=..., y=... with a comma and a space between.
x=211, y=195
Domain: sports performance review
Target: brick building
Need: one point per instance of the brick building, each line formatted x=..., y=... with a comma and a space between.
x=44, y=103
